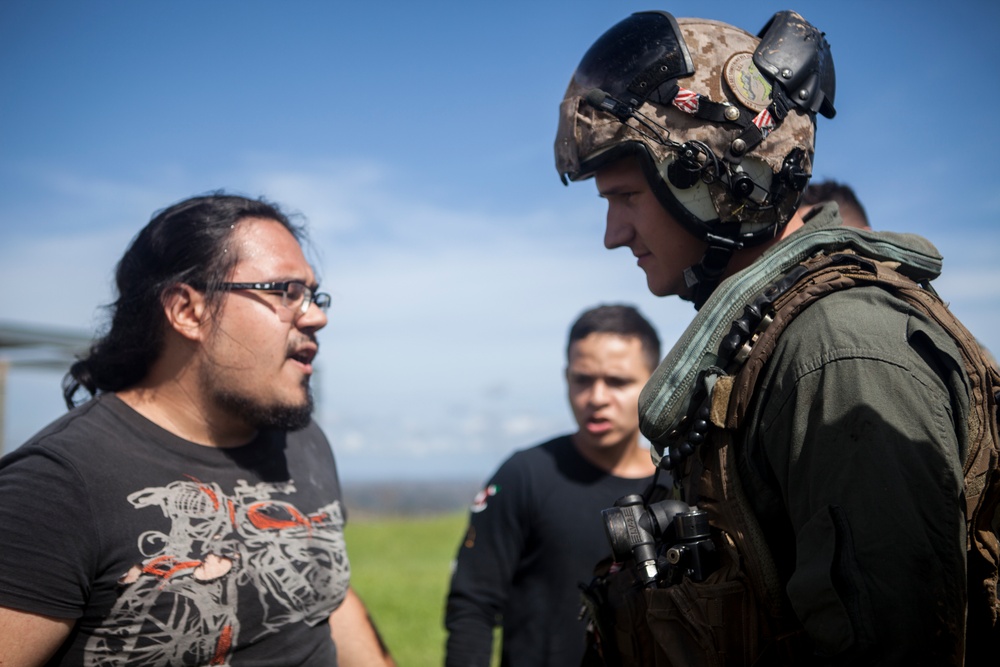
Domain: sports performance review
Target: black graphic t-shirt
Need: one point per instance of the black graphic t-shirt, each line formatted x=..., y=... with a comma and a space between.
x=171, y=553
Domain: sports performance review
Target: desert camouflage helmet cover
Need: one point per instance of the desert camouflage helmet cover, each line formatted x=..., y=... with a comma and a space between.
x=722, y=59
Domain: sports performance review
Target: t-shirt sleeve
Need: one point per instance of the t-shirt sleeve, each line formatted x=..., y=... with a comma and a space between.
x=48, y=535
x=485, y=567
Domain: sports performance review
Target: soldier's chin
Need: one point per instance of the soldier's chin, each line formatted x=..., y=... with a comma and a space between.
x=658, y=286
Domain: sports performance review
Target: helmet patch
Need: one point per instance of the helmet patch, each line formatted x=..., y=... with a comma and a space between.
x=746, y=82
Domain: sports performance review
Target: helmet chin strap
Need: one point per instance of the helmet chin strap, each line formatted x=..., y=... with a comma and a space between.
x=705, y=276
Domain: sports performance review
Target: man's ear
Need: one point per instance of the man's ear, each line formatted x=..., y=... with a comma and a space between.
x=186, y=311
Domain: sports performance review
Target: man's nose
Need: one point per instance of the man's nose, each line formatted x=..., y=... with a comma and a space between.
x=313, y=319
x=618, y=231
x=599, y=393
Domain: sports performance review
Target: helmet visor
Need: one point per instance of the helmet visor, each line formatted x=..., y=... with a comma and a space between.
x=635, y=58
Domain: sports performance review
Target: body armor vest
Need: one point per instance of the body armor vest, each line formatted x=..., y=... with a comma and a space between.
x=739, y=614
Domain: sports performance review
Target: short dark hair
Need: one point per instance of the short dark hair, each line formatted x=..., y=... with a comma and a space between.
x=184, y=243
x=841, y=193
x=620, y=319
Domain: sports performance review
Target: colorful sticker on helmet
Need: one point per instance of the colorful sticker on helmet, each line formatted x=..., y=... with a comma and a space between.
x=479, y=502
x=746, y=82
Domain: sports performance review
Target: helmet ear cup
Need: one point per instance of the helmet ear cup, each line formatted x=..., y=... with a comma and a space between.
x=741, y=185
x=684, y=172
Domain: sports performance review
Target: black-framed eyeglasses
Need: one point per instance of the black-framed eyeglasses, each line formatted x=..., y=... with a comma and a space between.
x=295, y=295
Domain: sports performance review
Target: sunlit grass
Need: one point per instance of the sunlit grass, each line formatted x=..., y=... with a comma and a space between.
x=401, y=568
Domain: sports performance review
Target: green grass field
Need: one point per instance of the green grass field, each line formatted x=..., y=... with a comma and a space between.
x=401, y=569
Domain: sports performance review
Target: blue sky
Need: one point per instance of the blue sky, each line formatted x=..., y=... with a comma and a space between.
x=416, y=141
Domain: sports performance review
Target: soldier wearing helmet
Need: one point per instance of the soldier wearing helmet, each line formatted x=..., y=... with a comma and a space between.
x=820, y=411
x=725, y=147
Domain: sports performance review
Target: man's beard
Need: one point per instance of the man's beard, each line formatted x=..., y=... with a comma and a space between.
x=261, y=416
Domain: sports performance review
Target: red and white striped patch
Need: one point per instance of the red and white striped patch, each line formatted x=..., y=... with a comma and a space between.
x=687, y=100
x=764, y=122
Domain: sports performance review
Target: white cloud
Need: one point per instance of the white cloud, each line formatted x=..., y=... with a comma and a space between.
x=979, y=284
x=62, y=280
x=352, y=441
x=524, y=425
x=333, y=196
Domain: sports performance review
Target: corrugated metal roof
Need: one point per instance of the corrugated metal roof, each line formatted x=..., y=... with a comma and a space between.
x=33, y=335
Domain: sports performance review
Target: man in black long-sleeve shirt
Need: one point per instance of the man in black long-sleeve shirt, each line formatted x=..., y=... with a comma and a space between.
x=535, y=531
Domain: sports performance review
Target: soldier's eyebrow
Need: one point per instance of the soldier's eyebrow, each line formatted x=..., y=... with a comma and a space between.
x=616, y=189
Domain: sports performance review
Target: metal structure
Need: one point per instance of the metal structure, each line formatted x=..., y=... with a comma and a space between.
x=33, y=346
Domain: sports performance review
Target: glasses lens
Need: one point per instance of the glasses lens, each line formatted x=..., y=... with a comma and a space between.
x=296, y=296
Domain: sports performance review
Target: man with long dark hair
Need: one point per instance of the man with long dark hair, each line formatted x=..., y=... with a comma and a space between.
x=189, y=511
